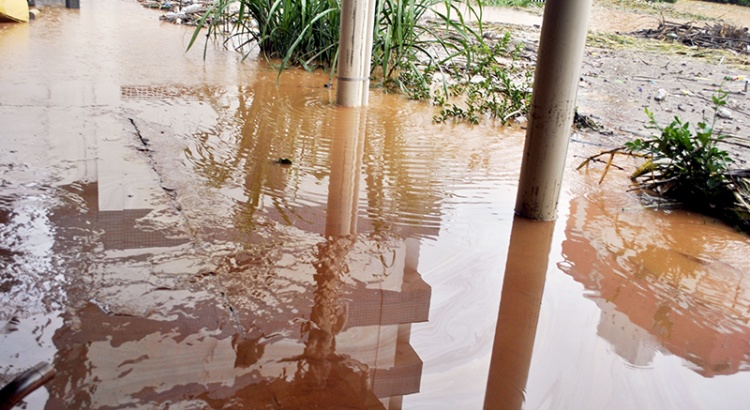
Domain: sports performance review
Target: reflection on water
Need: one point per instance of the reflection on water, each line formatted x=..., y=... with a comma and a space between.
x=154, y=248
x=523, y=285
x=677, y=282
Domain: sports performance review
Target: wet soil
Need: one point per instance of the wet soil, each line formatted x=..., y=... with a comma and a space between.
x=155, y=250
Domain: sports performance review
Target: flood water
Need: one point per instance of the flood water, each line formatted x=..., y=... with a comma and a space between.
x=155, y=250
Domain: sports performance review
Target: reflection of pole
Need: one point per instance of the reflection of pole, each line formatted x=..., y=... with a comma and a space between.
x=553, y=104
x=347, y=150
x=521, y=298
x=355, y=52
x=328, y=315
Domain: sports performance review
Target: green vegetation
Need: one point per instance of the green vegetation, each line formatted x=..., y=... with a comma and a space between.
x=408, y=49
x=688, y=168
x=306, y=33
x=738, y=2
x=302, y=33
x=413, y=41
x=495, y=86
x=512, y=3
x=687, y=164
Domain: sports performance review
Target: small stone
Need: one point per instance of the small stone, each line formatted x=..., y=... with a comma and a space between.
x=724, y=113
x=661, y=95
x=476, y=79
x=193, y=8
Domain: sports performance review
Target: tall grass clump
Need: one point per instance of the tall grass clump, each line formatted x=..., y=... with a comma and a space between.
x=413, y=40
x=410, y=37
x=297, y=32
x=416, y=38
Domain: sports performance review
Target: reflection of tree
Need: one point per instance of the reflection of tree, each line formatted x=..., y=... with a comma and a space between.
x=676, y=279
x=329, y=312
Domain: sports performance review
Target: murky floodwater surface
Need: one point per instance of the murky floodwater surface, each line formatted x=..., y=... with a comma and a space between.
x=156, y=250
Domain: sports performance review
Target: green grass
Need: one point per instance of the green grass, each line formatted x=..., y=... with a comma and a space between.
x=298, y=32
x=511, y=3
x=412, y=41
x=306, y=32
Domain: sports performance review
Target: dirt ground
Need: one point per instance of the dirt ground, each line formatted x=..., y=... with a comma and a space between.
x=623, y=73
x=621, y=76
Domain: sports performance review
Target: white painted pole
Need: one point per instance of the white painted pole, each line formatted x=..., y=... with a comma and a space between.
x=553, y=104
x=355, y=52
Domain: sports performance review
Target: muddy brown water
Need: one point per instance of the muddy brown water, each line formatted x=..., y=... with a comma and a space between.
x=157, y=253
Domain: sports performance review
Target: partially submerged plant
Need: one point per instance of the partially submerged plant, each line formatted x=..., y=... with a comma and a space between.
x=688, y=168
x=301, y=33
x=306, y=33
x=415, y=38
x=412, y=41
x=683, y=163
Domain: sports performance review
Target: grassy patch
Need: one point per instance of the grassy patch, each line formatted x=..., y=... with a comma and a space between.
x=414, y=40
x=497, y=86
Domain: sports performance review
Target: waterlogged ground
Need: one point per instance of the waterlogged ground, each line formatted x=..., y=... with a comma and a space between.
x=157, y=252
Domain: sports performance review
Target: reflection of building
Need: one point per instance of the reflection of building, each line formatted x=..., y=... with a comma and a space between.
x=382, y=318
x=240, y=336
x=654, y=289
x=195, y=351
x=120, y=229
x=630, y=341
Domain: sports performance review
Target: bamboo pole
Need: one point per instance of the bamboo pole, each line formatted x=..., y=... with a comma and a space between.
x=553, y=104
x=355, y=52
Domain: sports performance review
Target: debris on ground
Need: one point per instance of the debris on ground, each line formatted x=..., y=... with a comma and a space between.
x=185, y=12
x=719, y=35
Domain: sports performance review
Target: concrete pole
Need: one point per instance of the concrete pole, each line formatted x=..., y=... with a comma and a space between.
x=553, y=104
x=355, y=52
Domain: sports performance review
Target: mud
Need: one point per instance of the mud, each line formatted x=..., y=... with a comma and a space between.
x=157, y=253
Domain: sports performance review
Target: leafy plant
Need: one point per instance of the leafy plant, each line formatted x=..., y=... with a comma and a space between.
x=306, y=33
x=494, y=86
x=689, y=168
x=413, y=40
x=301, y=33
x=408, y=48
x=688, y=164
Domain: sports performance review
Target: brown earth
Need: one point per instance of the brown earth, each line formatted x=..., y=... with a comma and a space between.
x=622, y=72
